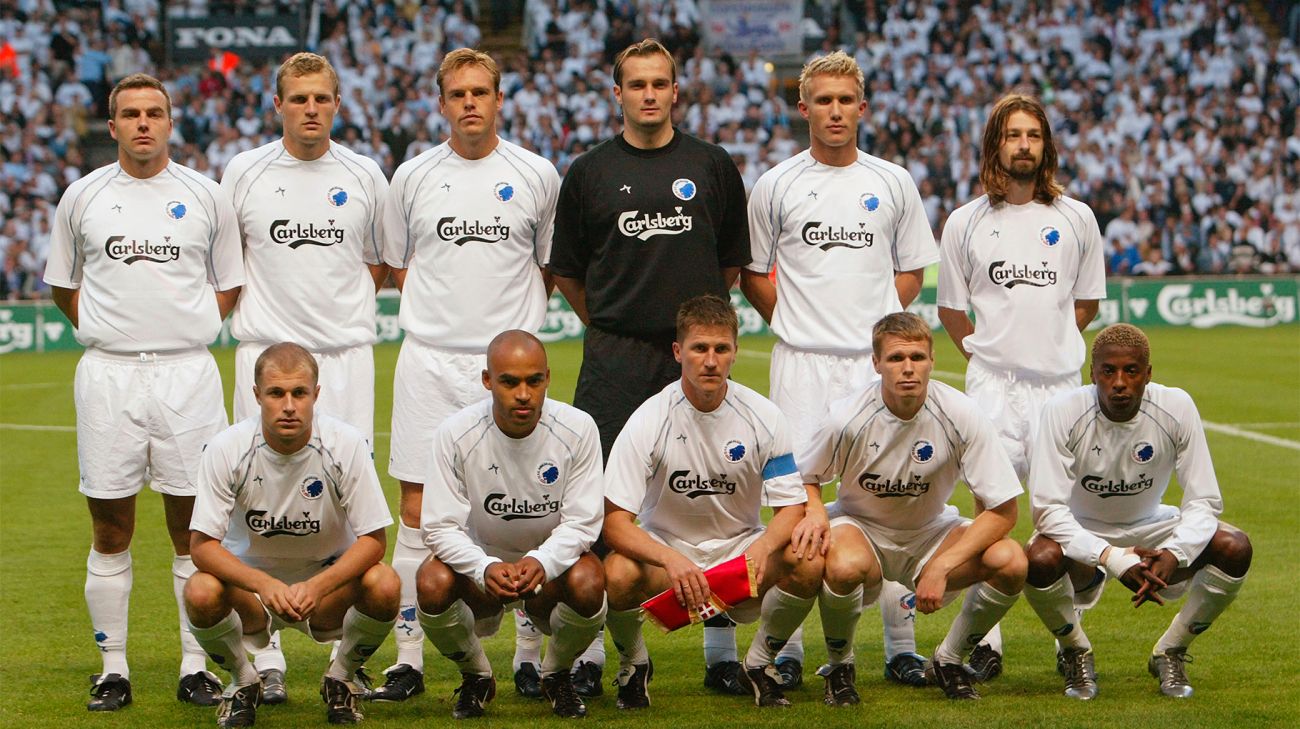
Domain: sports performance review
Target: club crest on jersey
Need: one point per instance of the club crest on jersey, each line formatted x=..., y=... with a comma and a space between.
x=504, y=191
x=1049, y=236
x=734, y=452
x=869, y=202
x=338, y=197
x=312, y=487
x=548, y=473
x=1143, y=452
x=684, y=189
x=922, y=451
x=175, y=210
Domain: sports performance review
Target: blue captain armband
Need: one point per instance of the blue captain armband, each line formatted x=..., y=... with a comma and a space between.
x=782, y=465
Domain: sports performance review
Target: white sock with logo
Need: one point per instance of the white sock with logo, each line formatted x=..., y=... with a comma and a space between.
x=1212, y=591
x=595, y=652
x=625, y=628
x=528, y=641
x=408, y=554
x=452, y=633
x=719, y=639
x=193, y=659
x=793, y=648
x=840, y=614
x=270, y=656
x=571, y=632
x=224, y=642
x=983, y=607
x=898, y=619
x=1055, y=607
x=108, y=598
x=362, y=636
x=780, y=615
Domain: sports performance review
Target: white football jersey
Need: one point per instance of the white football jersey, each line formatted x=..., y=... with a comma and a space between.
x=899, y=474
x=491, y=498
x=309, y=229
x=702, y=477
x=1020, y=268
x=273, y=510
x=836, y=236
x=473, y=236
x=148, y=256
x=1086, y=469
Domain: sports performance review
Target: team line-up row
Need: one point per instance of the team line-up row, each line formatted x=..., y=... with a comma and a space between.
x=661, y=464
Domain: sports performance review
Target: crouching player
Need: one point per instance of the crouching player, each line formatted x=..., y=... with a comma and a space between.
x=288, y=531
x=898, y=448
x=696, y=463
x=1097, y=476
x=511, y=508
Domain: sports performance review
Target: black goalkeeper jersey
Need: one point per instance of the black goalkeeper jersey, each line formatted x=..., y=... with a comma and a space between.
x=647, y=229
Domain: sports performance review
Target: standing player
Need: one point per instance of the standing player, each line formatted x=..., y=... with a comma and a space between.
x=646, y=220
x=309, y=210
x=1028, y=261
x=467, y=229
x=695, y=464
x=144, y=261
x=512, y=506
x=289, y=532
x=899, y=447
x=849, y=238
x=1101, y=466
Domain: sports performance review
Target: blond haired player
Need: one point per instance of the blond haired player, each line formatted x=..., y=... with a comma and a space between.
x=849, y=239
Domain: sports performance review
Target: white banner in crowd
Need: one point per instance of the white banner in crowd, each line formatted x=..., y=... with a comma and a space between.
x=771, y=27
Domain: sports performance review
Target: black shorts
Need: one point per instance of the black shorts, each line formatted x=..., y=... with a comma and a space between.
x=618, y=374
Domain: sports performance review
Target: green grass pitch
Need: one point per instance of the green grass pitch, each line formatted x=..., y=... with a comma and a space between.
x=1245, y=380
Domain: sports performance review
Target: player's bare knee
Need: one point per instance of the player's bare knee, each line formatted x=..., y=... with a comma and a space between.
x=205, y=599
x=805, y=579
x=1231, y=551
x=844, y=571
x=1046, y=562
x=584, y=586
x=1008, y=565
x=435, y=587
x=381, y=592
x=621, y=577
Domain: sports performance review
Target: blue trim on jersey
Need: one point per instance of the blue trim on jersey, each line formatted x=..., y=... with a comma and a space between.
x=782, y=465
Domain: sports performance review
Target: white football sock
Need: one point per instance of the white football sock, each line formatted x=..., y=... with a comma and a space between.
x=780, y=615
x=108, y=598
x=793, y=648
x=993, y=639
x=408, y=554
x=452, y=633
x=571, y=633
x=719, y=640
x=224, y=642
x=983, y=607
x=625, y=629
x=1055, y=607
x=193, y=659
x=1211, y=593
x=528, y=641
x=269, y=656
x=595, y=652
x=362, y=636
x=898, y=619
x=840, y=614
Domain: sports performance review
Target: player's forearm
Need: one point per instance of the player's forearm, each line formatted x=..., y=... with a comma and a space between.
x=958, y=325
x=908, y=285
x=210, y=556
x=1085, y=310
x=784, y=519
x=575, y=292
x=67, y=300
x=631, y=541
x=987, y=528
x=1057, y=522
x=378, y=273
x=760, y=291
x=355, y=560
x=226, y=301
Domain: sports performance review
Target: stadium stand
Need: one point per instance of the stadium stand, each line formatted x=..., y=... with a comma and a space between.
x=1177, y=120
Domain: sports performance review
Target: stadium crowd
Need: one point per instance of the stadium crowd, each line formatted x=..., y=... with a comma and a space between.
x=1177, y=120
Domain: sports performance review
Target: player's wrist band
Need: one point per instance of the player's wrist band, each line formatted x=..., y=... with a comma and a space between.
x=1119, y=561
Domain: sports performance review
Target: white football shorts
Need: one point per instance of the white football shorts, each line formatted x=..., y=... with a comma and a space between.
x=804, y=383
x=145, y=417
x=1013, y=401
x=430, y=384
x=347, y=384
x=902, y=553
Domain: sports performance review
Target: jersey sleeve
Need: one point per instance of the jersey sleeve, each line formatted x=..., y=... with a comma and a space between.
x=444, y=513
x=372, y=249
x=1091, y=282
x=782, y=482
x=361, y=496
x=545, y=234
x=732, y=228
x=226, y=259
x=1202, y=501
x=581, y=515
x=61, y=267
x=214, y=492
x=629, y=466
x=570, y=248
x=396, y=233
x=762, y=226
x=913, y=239
x=985, y=466
x=1051, y=481
x=954, y=266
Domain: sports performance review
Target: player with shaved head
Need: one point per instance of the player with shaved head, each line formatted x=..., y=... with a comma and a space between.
x=512, y=506
x=1099, y=471
x=289, y=531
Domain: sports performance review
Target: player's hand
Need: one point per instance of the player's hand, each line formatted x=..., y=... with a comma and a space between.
x=812, y=535
x=1156, y=569
x=758, y=554
x=1136, y=579
x=531, y=577
x=689, y=583
x=306, y=598
x=277, y=599
x=931, y=586
x=500, y=579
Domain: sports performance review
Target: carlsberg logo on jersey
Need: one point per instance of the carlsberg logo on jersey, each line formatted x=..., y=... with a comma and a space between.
x=1179, y=305
x=644, y=227
x=827, y=236
x=118, y=248
x=287, y=232
x=682, y=482
x=270, y=526
x=472, y=231
x=1012, y=275
x=888, y=489
x=511, y=509
x=1106, y=489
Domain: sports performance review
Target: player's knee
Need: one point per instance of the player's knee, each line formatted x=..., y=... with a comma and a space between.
x=1046, y=562
x=382, y=590
x=844, y=570
x=621, y=576
x=205, y=599
x=807, y=575
x=584, y=586
x=1231, y=551
x=435, y=587
x=1008, y=565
